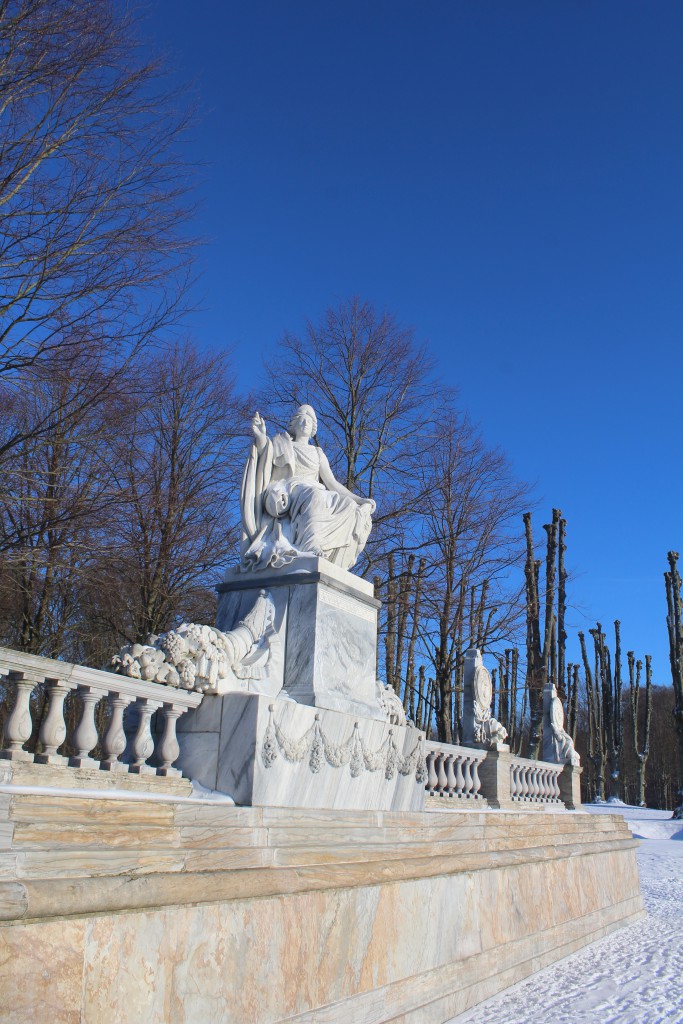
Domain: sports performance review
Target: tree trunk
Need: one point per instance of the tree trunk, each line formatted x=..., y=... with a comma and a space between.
x=674, y=623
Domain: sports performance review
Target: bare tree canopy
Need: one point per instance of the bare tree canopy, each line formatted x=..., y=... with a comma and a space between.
x=173, y=513
x=470, y=528
x=376, y=398
x=91, y=190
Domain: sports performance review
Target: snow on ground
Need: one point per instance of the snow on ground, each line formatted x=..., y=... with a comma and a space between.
x=633, y=976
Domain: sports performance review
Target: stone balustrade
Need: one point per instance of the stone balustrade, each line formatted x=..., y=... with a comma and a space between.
x=535, y=782
x=480, y=777
x=453, y=772
x=125, y=741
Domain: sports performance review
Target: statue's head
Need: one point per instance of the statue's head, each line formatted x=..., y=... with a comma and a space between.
x=303, y=413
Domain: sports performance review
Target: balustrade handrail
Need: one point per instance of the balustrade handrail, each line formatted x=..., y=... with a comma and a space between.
x=555, y=765
x=533, y=781
x=82, y=675
x=453, y=748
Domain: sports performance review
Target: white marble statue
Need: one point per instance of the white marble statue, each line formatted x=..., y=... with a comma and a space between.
x=292, y=504
x=195, y=657
x=391, y=704
x=479, y=727
x=558, y=745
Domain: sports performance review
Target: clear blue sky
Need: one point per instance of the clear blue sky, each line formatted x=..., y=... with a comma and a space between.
x=505, y=177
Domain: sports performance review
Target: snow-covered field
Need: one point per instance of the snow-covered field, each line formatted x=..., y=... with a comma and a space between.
x=635, y=975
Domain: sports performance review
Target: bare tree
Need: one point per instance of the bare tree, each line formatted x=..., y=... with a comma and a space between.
x=91, y=191
x=376, y=398
x=641, y=753
x=674, y=623
x=176, y=515
x=470, y=502
x=53, y=503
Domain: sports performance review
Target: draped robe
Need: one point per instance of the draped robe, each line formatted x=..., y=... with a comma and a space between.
x=287, y=511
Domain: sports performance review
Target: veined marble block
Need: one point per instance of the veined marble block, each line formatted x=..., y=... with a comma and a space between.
x=325, y=646
x=115, y=910
x=278, y=753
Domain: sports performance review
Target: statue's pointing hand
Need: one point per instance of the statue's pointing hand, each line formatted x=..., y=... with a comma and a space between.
x=258, y=427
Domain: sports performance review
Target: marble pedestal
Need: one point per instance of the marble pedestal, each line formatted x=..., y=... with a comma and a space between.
x=116, y=910
x=277, y=753
x=324, y=645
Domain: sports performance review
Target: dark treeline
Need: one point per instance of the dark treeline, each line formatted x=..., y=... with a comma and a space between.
x=121, y=448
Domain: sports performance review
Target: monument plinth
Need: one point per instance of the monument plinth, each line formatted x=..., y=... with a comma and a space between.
x=323, y=644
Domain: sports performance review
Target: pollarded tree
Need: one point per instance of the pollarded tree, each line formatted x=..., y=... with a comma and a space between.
x=674, y=623
x=605, y=712
x=542, y=649
x=641, y=752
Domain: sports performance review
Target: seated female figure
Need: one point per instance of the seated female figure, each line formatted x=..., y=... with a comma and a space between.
x=293, y=505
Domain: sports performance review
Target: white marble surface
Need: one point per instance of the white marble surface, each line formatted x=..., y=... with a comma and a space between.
x=222, y=747
x=291, y=503
x=479, y=729
x=325, y=627
x=558, y=745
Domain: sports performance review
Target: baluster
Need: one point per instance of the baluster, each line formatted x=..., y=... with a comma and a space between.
x=142, y=744
x=557, y=793
x=515, y=781
x=85, y=737
x=543, y=784
x=18, y=724
x=53, y=727
x=451, y=784
x=114, y=740
x=476, y=781
x=432, y=778
x=467, y=785
x=168, y=749
x=533, y=784
x=550, y=782
x=460, y=777
x=524, y=782
x=441, y=773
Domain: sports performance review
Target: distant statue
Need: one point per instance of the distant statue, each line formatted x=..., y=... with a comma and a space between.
x=559, y=746
x=292, y=504
x=479, y=728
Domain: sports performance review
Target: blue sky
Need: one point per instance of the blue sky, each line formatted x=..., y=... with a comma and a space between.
x=506, y=178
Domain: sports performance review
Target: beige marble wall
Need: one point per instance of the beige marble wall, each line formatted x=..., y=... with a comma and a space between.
x=356, y=918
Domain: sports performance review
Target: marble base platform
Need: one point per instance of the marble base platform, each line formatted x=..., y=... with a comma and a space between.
x=187, y=912
x=277, y=753
x=325, y=633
